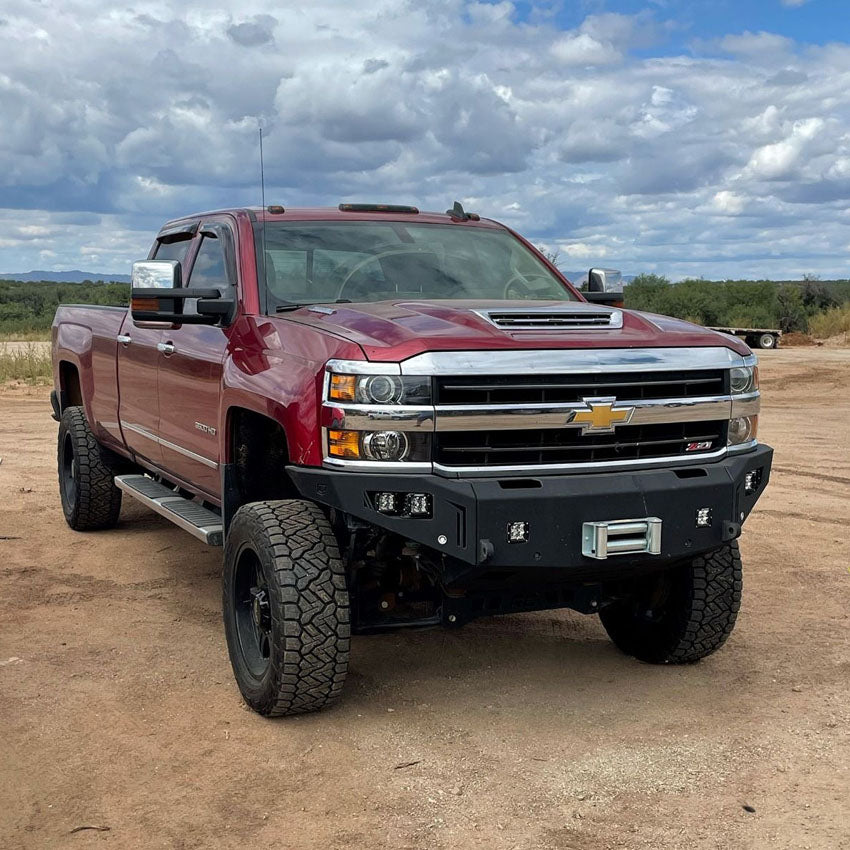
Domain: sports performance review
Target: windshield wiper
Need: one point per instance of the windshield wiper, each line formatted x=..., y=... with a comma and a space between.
x=292, y=305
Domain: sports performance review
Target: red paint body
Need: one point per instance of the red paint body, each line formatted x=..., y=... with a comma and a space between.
x=274, y=365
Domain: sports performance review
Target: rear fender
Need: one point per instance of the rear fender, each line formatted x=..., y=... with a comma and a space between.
x=72, y=353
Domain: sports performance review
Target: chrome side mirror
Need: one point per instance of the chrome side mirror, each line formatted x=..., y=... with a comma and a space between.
x=157, y=295
x=156, y=274
x=604, y=280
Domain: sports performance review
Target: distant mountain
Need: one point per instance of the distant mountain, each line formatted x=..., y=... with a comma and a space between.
x=73, y=276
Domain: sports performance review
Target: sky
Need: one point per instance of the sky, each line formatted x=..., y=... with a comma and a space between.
x=705, y=138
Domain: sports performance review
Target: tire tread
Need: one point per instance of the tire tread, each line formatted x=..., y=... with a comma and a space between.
x=98, y=500
x=310, y=650
x=709, y=598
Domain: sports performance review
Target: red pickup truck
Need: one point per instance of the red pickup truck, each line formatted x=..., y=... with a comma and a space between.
x=390, y=418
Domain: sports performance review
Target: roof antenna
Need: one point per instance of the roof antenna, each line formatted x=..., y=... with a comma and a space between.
x=263, y=207
x=458, y=213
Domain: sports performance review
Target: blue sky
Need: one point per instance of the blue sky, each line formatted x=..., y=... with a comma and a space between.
x=806, y=21
x=687, y=138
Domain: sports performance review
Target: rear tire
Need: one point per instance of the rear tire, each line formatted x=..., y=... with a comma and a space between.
x=681, y=615
x=286, y=610
x=90, y=499
x=767, y=341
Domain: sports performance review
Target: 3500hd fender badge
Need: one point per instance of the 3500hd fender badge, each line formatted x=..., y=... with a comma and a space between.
x=207, y=429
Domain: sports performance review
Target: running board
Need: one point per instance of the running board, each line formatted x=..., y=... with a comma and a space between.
x=188, y=515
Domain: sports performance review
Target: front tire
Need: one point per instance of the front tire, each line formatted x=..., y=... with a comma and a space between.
x=90, y=499
x=286, y=610
x=681, y=615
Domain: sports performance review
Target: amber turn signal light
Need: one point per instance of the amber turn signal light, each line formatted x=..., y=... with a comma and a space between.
x=146, y=304
x=344, y=444
x=343, y=387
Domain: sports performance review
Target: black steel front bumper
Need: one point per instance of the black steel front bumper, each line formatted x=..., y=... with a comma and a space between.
x=472, y=514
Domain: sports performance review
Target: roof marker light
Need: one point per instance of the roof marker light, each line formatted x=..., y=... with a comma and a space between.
x=387, y=208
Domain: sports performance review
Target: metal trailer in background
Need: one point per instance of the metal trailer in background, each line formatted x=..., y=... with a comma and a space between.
x=755, y=337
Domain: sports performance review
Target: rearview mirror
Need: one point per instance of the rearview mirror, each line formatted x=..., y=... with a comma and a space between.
x=157, y=296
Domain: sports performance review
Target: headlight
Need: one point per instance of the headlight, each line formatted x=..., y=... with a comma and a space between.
x=380, y=446
x=742, y=430
x=744, y=379
x=385, y=445
x=380, y=389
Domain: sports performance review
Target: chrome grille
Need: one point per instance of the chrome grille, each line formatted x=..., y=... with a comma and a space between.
x=541, y=447
x=554, y=389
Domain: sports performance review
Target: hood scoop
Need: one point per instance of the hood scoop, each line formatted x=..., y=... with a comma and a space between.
x=554, y=318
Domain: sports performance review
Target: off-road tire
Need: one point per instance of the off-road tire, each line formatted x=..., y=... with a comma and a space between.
x=308, y=634
x=681, y=615
x=90, y=499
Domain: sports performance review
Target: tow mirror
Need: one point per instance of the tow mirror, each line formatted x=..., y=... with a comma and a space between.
x=605, y=286
x=157, y=296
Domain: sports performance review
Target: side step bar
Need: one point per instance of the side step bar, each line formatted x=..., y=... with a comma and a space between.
x=188, y=515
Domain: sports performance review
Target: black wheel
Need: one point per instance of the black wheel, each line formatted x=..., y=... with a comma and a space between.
x=767, y=341
x=285, y=602
x=681, y=615
x=90, y=499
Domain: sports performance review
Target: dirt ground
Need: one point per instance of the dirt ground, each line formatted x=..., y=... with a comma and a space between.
x=118, y=710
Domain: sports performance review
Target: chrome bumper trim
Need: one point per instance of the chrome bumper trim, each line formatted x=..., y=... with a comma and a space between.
x=531, y=416
x=670, y=462
x=361, y=417
x=592, y=466
x=376, y=466
x=362, y=367
x=366, y=417
x=566, y=361
x=745, y=405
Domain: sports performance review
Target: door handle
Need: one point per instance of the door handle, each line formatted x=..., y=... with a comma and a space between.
x=167, y=348
x=124, y=339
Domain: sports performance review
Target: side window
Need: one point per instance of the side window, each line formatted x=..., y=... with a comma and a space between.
x=208, y=270
x=173, y=250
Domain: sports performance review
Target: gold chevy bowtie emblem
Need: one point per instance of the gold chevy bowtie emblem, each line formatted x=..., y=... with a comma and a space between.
x=600, y=415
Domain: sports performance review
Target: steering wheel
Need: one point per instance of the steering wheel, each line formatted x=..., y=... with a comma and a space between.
x=392, y=252
x=518, y=289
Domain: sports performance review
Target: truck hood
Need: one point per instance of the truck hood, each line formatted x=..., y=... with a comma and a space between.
x=392, y=331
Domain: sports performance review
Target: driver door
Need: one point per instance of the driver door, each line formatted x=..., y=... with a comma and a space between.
x=190, y=372
x=138, y=362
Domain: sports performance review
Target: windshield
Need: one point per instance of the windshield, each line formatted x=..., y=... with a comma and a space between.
x=324, y=262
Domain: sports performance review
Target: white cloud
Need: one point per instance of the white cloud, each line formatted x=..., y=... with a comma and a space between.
x=779, y=159
x=583, y=49
x=728, y=203
x=754, y=44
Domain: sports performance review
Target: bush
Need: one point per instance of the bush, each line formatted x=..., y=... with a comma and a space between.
x=737, y=303
x=830, y=323
x=27, y=309
x=31, y=364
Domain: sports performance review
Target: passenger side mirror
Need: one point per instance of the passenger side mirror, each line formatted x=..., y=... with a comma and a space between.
x=604, y=286
x=157, y=296
x=604, y=280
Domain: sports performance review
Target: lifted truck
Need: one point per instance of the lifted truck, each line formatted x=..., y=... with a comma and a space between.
x=391, y=418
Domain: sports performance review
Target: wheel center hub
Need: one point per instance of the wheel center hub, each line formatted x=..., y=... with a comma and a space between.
x=260, y=609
